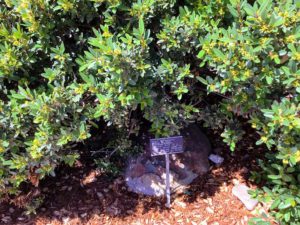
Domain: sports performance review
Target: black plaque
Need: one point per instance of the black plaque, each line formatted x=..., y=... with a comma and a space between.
x=170, y=145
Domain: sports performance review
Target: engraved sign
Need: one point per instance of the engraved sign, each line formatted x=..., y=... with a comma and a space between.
x=166, y=146
x=170, y=145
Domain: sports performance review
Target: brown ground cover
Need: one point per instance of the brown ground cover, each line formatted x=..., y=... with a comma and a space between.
x=82, y=195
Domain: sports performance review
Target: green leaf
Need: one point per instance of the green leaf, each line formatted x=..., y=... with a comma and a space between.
x=201, y=54
x=275, y=204
x=274, y=177
x=265, y=7
x=141, y=26
x=202, y=80
x=269, y=80
x=279, y=21
x=85, y=78
x=219, y=53
x=249, y=9
x=18, y=96
x=284, y=205
x=233, y=11
x=287, y=216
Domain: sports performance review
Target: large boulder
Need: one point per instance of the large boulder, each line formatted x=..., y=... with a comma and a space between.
x=146, y=174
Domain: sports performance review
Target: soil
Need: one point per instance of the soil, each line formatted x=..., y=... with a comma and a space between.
x=83, y=195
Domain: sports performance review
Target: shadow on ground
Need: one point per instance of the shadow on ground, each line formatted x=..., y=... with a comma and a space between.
x=82, y=195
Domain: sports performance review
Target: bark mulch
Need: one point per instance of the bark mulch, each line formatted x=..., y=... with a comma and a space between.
x=82, y=195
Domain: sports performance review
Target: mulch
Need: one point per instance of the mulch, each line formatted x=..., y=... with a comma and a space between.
x=83, y=195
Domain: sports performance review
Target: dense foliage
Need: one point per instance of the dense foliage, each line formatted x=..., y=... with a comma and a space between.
x=257, y=60
x=67, y=64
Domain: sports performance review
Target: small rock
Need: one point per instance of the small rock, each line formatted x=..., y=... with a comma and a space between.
x=129, y=211
x=203, y=222
x=113, y=210
x=11, y=210
x=179, y=164
x=66, y=220
x=89, y=191
x=241, y=192
x=216, y=159
x=83, y=215
x=106, y=190
x=157, y=202
x=118, y=181
x=181, y=204
x=56, y=213
x=211, y=180
x=235, y=181
x=245, y=170
x=210, y=210
x=100, y=195
x=208, y=201
x=64, y=188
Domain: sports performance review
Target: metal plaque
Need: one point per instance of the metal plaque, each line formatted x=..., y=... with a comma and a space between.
x=170, y=145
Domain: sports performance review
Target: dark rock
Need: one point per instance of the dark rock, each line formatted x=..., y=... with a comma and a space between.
x=197, y=150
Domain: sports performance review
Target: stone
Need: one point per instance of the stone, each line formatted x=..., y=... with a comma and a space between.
x=216, y=159
x=21, y=218
x=197, y=149
x=235, y=181
x=113, y=209
x=148, y=184
x=138, y=170
x=57, y=213
x=209, y=210
x=66, y=220
x=180, y=204
x=11, y=210
x=83, y=215
x=129, y=212
x=146, y=175
x=241, y=192
x=100, y=195
x=245, y=170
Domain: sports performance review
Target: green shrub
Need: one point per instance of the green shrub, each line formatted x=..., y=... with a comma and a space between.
x=42, y=106
x=257, y=64
x=57, y=79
